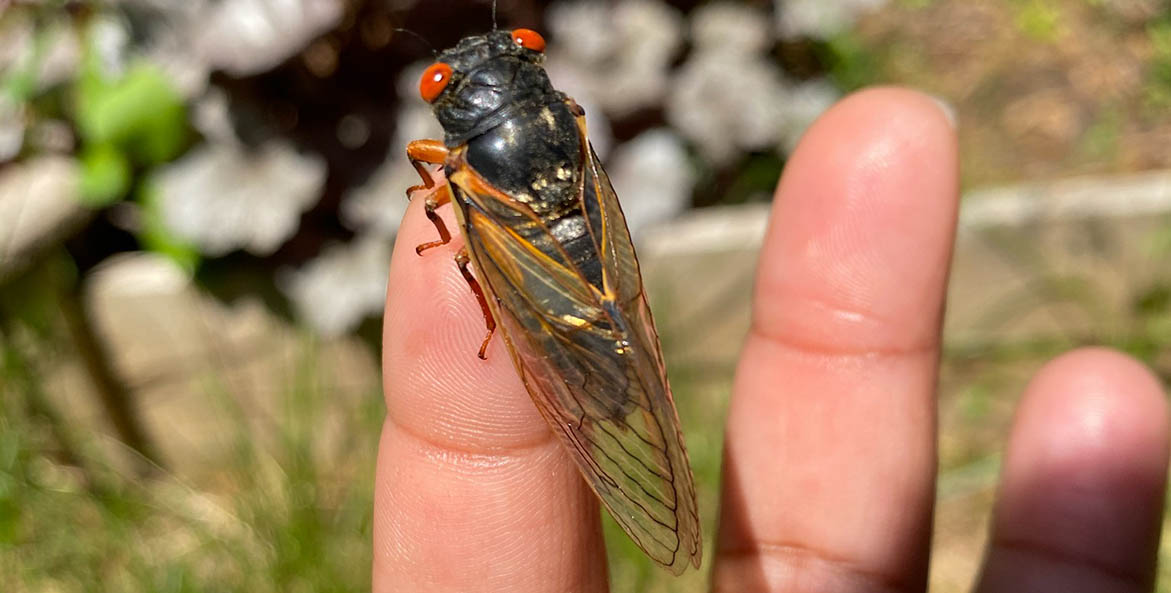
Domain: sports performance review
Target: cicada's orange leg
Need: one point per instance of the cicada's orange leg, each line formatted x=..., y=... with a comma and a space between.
x=461, y=260
x=435, y=153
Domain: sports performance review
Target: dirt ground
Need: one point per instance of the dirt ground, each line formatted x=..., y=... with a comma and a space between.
x=1042, y=88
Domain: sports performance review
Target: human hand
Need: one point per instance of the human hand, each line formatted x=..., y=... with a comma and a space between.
x=830, y=456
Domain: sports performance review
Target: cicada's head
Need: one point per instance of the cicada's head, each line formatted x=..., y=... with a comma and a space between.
x=481, y=76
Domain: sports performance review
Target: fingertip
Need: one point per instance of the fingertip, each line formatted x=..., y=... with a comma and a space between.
x=863, y=226
x=1081, y=501
x=899, y=105
x=1096, y=401
x=833, y=406
x=469, y=474
x=434, y=383
x=876, y=115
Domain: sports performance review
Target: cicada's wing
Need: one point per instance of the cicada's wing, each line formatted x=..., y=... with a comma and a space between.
x=590, y=359
x=623, y=283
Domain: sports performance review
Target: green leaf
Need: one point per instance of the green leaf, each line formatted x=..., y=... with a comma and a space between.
x=139, y=111
x=105, y=175
x=851, y=64
x=156, y=237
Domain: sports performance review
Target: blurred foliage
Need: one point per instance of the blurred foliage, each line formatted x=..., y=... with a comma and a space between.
x=294, y=516
x=290, y=512
x=851, y=64
x=1039, y=19
x=134, y=120
x=105, y=175
x=138, y=113
x=155, y=235
x=1158, y=90
x=1100, y=139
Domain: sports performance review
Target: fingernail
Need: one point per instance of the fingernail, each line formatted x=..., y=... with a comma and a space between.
x=946, y=107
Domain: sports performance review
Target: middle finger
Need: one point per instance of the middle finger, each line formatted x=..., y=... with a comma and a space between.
x=830, y=453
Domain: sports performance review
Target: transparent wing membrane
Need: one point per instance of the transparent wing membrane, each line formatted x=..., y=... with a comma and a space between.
x=591, y=361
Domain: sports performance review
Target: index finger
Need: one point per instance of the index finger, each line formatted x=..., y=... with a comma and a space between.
x=830, y=455
x=472, y=493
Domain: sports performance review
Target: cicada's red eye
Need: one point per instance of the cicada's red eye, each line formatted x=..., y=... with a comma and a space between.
x=529, y=39
x=435, y=79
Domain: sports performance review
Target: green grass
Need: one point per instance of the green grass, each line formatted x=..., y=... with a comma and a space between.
x=288, y=508
x=1038, y=19
x=280, y=514
x=1157, y=89
x=1100, y=140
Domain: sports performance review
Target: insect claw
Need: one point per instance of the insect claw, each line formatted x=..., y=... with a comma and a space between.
x=444, y=237
x=462, y=260
x=574, y=108
x=414, y=188
x=419, y=249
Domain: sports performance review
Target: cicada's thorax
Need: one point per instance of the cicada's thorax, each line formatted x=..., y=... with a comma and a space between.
x=514, y=131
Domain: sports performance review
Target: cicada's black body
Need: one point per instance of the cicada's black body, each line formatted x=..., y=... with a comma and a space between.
x=521, y=137
x=557, y=271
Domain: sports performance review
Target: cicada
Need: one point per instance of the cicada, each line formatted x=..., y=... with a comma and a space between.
x=555, y=269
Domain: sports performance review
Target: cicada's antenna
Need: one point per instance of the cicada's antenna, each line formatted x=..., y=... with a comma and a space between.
x=430, y=47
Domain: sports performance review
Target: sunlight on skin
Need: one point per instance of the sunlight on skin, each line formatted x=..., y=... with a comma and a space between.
x=833, y=409
x=1081, y=500
x=830, y=458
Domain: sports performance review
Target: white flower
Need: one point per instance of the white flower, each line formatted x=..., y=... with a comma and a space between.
x=188, y=39
x=379, y=204
x=726, y=102
x=248, y=36
x=618, y=58
x=731, y=27
x=49, y=50
x=334, y=292
x=650, y=32
x=186, y=72
x=804, y=103
x=583, y=30
x=168, y=41
x=62, y=54
x=728, y=97
x=211, y=116
x=109, y=38
x=17, y=31
x=652, y=177
x=820, y=19
x=222, y=197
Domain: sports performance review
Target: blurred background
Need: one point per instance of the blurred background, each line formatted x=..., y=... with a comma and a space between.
x=198, y=200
